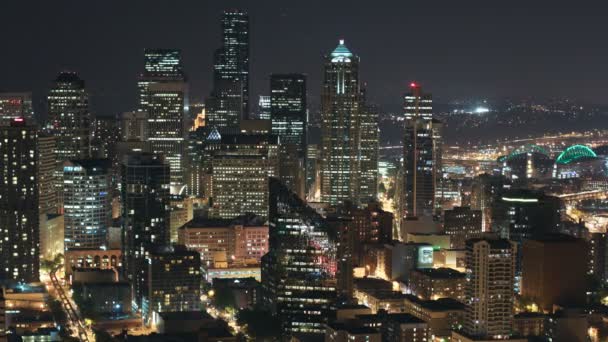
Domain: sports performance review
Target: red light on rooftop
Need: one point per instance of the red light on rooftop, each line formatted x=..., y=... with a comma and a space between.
x=413, y=85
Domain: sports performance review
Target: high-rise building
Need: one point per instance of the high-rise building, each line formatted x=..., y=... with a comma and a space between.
x=289, y=123
x=343, y=132
x=241, y=165
x=167, y=130
x=69, y=117
x=145, y=216
x=521, y=214
x=163, y=94
x=87, y=202
x=19, y=227
x=545, y=280
x=299, y=271
x=461, y=224
x=174, y=280
x=160, y=66
x=264, y=107
x=16, y=105
x=422, y=155
x=229, y=100
x=485, y=190
x=47, y=166
x=489, y=294
x=134, y=126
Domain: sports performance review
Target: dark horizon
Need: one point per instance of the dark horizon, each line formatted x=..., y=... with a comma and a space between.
x=455, y=51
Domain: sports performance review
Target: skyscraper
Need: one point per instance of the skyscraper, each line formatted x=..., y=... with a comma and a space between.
x=166, y=123
x=160, y=66
x=87, y=202
x=241, y=165
x=299, y=271
x=422, y=155
x=145, y=216
x=289, y=123
x=229, y=100
x=264, y=107
x=69, y=117
x=342, y=132
x=163, y=94
x=47, y=166
x=19, y=220
x=489, y=295
x=15, y=105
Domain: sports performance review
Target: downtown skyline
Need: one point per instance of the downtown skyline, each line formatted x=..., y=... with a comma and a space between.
x=474, y=51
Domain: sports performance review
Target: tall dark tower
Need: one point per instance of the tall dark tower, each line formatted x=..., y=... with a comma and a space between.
x=343, y=131
x=69, y=117
x=422, y=155
x=145, y=216
x=19, y=220
x=229, y=100
x=289, y=122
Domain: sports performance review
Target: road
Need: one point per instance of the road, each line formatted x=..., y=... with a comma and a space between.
x=76, y=322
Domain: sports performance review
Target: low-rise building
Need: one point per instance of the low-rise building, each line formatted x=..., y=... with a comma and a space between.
x=435, y=283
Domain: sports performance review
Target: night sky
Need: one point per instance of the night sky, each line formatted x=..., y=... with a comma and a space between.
x=456, y=49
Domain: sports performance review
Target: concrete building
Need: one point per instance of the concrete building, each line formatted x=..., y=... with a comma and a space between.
x=554, y=271
x=435, y=283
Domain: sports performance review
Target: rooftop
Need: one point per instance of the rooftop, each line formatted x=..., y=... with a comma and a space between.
x=440, y=273
x=185, y=316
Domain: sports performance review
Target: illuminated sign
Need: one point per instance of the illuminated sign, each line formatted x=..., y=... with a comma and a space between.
x=425, y=256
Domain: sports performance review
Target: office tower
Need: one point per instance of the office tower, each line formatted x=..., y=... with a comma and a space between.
x=134, y=126
x=167, y=130
x=313, y=189
x=229, y=99
x=106, y=134
x=490, y=269
x=164, y=96
x=47, y=165
x=264, y=107
x=485, y=190
x=299, y=271
x=241, y=165
x=174, y=280
x=15, y=105
x=554, y=271
x=160, y=66
x=521, y=214
x=289, y=123
x=422, y=155
x=370, y=225
x=343, y=132
x=19, y=232
x=87, y=202
x=145, y=215
x=368, y=154
x=69, y=117
x=461, y=224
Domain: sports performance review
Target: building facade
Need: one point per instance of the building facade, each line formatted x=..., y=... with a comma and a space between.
x=489, y=293
x=288, y=113
x=87, y=198
x=19, y=226
x=229, y=100
x=343, y=159
x=69, y=117
x=145, y=197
